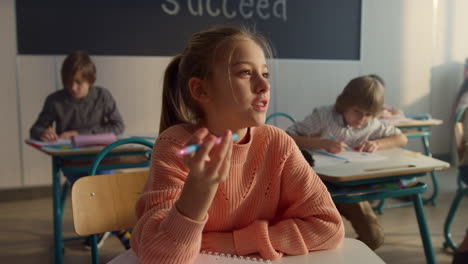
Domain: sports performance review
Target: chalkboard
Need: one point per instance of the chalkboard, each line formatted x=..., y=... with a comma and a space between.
x=297, y=29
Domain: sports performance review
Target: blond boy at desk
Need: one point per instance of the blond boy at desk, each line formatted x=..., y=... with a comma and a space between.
x=351, y=123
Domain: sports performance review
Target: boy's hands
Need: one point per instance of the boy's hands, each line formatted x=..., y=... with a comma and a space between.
x=49, y=135
x=368, y=146
x=333, y=146
x=69, y=134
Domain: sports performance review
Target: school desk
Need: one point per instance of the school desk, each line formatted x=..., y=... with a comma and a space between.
x=78, y=160
x=417, y=126
x=352, y=251
x=398, y=164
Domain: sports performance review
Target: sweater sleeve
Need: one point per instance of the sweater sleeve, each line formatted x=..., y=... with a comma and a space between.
x=308, y=218
x=45, y=119
x=162, y=234
x=111, y=121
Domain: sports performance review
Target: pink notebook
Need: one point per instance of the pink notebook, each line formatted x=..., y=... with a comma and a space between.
x=93, y=140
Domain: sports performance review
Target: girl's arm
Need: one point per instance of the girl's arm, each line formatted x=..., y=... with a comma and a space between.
x=307, y=217
x=172, y=211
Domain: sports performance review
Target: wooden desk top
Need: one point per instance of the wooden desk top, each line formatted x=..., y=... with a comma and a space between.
x=399, y=162
x=52, y=151
x=402, y=123
x=352, y=251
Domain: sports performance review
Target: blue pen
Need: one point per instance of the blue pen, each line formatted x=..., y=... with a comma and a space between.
x=193, y=148
x=331, y=155
x=335, y=139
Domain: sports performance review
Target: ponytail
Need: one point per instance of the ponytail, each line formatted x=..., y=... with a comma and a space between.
x=173, y=109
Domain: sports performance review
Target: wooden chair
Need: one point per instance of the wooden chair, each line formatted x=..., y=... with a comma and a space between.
x=105, y=203
x=462, y=189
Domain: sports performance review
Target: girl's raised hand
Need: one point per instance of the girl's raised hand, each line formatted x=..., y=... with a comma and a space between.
x=208, y=167
x=211, y=163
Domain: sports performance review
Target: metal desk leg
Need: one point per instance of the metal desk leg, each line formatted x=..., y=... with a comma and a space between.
x=57, y=211
x=423, y=229
x=435, y=184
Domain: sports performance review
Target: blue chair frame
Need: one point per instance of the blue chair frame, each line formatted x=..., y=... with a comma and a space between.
x=94, y=167
x=59, y=193
x=462, y=191
x=270, y=117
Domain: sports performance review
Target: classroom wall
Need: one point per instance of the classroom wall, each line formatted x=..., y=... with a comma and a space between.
x=418, y=46
x=10, y=168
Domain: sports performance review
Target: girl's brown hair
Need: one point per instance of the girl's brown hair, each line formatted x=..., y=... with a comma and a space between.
x=365, y=92
x=197, y=60
x=78, y=61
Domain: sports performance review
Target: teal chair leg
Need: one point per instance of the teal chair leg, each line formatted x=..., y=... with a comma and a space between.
x=380, y=207
x=448, y=221
x=57, y=212
x=63, y=198
x=423, y=229
x=94, y=250
x=435, y=184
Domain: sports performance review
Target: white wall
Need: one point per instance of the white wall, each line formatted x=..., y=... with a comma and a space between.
x=416, y=48
x=10, y=169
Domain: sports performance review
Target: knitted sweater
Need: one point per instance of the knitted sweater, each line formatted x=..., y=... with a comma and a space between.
x=272, y=203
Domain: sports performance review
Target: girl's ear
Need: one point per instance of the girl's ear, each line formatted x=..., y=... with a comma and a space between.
x=197, y=88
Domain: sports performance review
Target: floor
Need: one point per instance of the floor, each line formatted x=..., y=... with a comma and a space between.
x=27, y=237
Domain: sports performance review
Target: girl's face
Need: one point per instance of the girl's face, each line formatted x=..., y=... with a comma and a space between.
x=356, y=117
x=79, y=88
x=239, y=91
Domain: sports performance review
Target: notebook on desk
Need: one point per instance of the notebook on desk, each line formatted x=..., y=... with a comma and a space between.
x=129, y=257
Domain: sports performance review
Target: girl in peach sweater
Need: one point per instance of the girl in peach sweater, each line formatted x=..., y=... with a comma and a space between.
x=255, y=196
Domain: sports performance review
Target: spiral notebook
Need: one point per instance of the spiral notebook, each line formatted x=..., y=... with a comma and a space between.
x=212, y=258
x=129, y=257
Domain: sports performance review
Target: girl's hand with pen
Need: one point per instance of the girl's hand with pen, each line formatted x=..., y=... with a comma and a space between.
x=208, y=167
x=49, y=135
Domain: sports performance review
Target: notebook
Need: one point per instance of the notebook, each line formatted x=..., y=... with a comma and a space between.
x=93, y=139
x=129, y=257
x=213, y=258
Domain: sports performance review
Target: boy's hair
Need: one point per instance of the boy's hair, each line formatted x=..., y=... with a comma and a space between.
x=78, y=61
x=197, y=60
x=364, y=92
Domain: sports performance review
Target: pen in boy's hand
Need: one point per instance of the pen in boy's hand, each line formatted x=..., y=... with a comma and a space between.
x=335, y=139
x=193, y=148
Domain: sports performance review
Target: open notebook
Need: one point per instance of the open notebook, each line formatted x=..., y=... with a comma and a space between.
x=129, y=257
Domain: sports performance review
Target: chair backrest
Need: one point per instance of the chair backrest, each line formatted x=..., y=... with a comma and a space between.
x=288, y=116
x=105, y=203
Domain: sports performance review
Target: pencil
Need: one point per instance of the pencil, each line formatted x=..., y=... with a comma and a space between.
x=330, y=136
x=193, y=148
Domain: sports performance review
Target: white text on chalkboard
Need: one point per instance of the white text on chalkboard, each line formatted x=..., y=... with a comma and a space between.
x=264, y=9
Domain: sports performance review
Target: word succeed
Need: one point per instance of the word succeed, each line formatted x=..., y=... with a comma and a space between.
x=264, y=9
